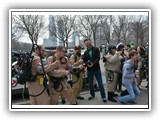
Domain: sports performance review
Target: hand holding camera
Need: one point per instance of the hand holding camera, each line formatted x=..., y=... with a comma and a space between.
x=89, y=64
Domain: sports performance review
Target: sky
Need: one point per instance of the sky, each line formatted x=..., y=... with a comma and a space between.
x=46, y=14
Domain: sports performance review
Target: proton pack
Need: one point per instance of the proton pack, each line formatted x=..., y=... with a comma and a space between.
x=25, y=66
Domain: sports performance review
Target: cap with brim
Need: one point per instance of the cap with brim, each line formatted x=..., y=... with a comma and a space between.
x=111, y=47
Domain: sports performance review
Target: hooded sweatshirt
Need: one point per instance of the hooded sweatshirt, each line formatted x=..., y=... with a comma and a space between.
x=128, y=72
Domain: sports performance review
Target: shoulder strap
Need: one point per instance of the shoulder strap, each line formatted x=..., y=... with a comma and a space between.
x=75, y=58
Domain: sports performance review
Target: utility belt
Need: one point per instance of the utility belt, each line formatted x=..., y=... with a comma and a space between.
x=55, y=79
x=113, y=71
x=58, y=86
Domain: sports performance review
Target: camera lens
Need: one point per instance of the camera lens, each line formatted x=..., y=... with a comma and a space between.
x=89, y=63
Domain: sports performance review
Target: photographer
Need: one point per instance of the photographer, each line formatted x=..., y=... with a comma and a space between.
x=91, y=59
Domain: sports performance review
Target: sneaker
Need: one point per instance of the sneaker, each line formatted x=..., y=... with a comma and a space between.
x=80, y=98
x=112, y=100
x=120, y=102
x=104, y=99
x=90, y=98
x=115, y=95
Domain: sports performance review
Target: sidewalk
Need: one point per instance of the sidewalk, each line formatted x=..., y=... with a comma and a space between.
x=141, y=100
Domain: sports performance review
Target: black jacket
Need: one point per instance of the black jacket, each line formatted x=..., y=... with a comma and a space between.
x=95, y=58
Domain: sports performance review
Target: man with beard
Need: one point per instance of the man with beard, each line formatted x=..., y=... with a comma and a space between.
x=77, y=79
x=58, y=79
x=91, y=59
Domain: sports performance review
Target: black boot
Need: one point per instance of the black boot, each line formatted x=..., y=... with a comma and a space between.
x=114, y=95
x=110, y=97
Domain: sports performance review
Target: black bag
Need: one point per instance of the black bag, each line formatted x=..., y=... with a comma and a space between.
x=25, y=73
x=25, y=76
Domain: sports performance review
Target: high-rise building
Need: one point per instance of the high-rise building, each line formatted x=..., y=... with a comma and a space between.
x=75, y=39
x=51, y=42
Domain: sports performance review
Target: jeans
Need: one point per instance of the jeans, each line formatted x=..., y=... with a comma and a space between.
x=98, y=76
x=133, y=91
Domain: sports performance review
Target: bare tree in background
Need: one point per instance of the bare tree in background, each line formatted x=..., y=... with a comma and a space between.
x=33, y=25
x=15, y=36
x=127, y=27
x=105, y=26
x=83, y=29
x=118, y=25
x=63, y=28
x=140, y=27
x=89, y=25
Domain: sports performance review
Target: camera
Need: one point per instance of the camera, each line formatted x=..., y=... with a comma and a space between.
x=89, y=63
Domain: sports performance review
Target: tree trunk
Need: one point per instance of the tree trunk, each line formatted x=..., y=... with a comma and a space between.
x=94, y=39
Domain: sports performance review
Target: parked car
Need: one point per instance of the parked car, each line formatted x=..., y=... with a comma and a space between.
x=16, y=88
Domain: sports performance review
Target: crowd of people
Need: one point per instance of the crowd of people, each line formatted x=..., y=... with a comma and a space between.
x=124, y=66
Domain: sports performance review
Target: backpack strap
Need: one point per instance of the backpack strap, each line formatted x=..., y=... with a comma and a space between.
x=75, y=58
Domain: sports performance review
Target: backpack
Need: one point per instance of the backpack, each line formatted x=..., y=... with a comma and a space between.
x=25, y=73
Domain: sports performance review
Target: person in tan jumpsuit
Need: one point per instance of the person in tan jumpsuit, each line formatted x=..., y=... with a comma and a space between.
x=59, y=73
x=37, y=87
x=112, y=66
x=76, y=60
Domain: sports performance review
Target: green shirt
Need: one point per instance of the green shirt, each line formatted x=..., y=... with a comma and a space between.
x=90, y=52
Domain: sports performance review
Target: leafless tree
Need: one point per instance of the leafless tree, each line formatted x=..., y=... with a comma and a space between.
x=140, y=27
x=127, y=27
x=88, y=25
x=106, y=26
x=63, y=28
x=118, y=25
x=33, y=25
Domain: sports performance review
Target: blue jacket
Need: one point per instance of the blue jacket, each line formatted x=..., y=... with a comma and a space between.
x=128, y=74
